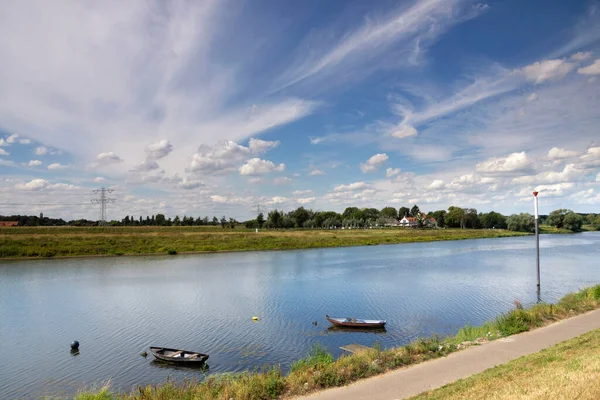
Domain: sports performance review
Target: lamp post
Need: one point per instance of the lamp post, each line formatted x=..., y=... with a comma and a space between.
x=537, y=239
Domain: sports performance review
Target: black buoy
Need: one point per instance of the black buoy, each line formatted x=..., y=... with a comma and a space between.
x=75, y=345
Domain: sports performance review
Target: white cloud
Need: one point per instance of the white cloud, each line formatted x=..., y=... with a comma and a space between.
x=581, y=56
x=373, y=162
x=284, y=180
x=99, y=179
x=41, y=150
x=106, y=159
x=593, y=69
x=36, y=184
x=3, y=142
x=158, y=150
x=591, y=159
x=532, y=97
x=436, y=184
x=316, y=140
x=256, y=166
x=146, y=166
x=301, y=192
x=34, y=163
x=315, y=172
x=391, y=172
x=4, y=152
x=403, y=131
x=305, y=200
x=188, y=185
x=24, y=141
x=598, y=177
x=351, y=187
x=277, y=200
x=55, y=166
x=569, y=173
x=224, y=157
x=12, y=138
x=555, y=190
x=258, y=146
x=542, y=71
x=42, y=184
x=556, y=153
x=512, y=163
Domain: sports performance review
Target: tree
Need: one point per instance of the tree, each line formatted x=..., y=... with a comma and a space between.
x=352, y=212
x=556, y=217
x=414, y=211
x=260, y=220
x=493, y=220
x=591, y=218
x=523, y=222
x=215, y=221
x=300, y=216
x=403, y=212
x=440, y=217
x=389, y=212
x=472, y=219
x=370, y=214
x=232, y=223
x=572, y=221
x=223, y=222
x=455, y=218
x=177, y=221
x=160, y=219
x=274, y=219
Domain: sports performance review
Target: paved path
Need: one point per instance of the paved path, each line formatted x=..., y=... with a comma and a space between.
x=432, y=374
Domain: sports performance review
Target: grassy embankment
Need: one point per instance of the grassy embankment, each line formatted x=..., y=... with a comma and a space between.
x=319, y=370
x=69, y=241
x=569, y=370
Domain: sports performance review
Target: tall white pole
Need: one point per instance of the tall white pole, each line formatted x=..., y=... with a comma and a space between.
x=537, y=238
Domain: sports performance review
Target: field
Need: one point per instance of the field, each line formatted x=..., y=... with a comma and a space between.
x=99, y=241
x=569, y=370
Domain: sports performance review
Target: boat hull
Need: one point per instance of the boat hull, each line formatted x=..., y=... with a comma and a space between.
x=343, y=322
x=178, y=356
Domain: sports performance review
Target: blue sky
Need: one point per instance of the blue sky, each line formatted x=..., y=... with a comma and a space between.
x=213, y=107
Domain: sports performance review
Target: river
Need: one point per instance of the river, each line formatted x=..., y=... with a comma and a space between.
x=117, y=307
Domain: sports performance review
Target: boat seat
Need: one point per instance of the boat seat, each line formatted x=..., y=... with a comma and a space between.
x=176, y=354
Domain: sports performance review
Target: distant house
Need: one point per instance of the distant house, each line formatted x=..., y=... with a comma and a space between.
x=412, y=222
x=9, y=223
x=409, y=222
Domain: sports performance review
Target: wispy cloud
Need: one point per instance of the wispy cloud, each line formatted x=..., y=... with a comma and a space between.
x=414, y=27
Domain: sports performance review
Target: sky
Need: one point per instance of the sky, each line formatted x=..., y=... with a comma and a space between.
x=219, y=107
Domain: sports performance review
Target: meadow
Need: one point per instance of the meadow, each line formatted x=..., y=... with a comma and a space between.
x=35, y=242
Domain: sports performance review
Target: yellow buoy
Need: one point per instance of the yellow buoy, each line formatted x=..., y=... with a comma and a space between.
x=254, y=318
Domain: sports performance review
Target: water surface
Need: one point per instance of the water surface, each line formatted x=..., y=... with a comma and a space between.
x=117, y=307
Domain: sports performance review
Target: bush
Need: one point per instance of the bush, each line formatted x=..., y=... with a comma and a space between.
x=171, y=252
x=318, y=356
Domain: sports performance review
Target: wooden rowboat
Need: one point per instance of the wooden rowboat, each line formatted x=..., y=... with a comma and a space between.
x=356, y=323
x=178, y=356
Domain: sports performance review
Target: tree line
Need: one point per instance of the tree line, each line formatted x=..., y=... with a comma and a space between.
x=351, y=217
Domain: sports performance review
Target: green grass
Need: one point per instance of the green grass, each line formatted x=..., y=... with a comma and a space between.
x=37, y=242
x=569, y=370
x=319, y=370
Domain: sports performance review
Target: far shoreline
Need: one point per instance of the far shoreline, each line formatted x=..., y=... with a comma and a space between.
x=47, y=243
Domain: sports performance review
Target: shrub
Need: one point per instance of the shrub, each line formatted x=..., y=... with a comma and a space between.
x=171, y=252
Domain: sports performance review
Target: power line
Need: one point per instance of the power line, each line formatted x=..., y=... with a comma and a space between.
x=103, y=200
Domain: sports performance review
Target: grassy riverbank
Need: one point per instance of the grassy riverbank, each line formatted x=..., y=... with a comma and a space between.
x=569, y=370
x=319, y=370
x=99, y=241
